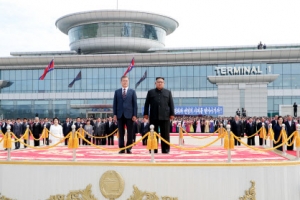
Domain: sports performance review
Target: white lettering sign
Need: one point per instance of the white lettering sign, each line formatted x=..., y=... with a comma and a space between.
x=242, y=70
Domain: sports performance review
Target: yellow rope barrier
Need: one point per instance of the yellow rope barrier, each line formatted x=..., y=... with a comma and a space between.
x=200, y=138
x=257, y=149
x=45, y=147
x=41, y=137
x=99, y=137
x=188, y=149
x=119, y=149
x=253, y=134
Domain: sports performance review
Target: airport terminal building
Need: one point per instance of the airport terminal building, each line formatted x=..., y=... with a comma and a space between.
x=102, y=45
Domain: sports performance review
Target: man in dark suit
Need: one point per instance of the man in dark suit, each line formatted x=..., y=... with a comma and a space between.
x=259, y=125
x=37, y=131
x=67, y=128
x=25, y=123
x=274, y=121
x=290, y=127
x=145, y=128
x=125, y=111
x=237, y=129
x=47, y=124
x=161, y=105
x=109, y=128
x=18, y=131
x=250, y=130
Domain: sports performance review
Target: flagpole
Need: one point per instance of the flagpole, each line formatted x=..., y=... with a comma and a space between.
x=53, y=91
x=117, y=4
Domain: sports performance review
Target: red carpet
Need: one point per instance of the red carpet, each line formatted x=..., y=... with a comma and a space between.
x=141, y=154
x=293, y=153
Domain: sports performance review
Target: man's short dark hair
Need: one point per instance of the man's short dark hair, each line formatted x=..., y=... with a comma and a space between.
x=124, y=77
x=160, y=78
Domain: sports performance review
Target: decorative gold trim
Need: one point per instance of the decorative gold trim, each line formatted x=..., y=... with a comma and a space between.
x=4, y=197
x=169, y=198
x=139, y=195
x=250, y=194
x=111, y=185
x=85, y=194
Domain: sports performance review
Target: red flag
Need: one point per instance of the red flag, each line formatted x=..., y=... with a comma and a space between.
x=49, y=68
x=129, y=67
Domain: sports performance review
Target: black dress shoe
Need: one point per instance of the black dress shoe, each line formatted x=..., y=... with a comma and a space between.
x=166, y=151
x=5, y=149
x=128, y=152
x=123, y=151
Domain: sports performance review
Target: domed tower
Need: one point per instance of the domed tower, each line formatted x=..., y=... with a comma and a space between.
x=116, y=31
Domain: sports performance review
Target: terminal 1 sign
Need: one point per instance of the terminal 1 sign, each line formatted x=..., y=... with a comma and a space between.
x=242, y=70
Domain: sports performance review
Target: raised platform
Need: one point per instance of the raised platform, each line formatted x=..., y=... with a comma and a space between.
x=183, y=175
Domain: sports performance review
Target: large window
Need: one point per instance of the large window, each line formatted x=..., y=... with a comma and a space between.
x=117, y=29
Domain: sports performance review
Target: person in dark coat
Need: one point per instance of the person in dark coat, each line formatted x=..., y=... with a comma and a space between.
x=250, y=130
x=37, y=131
x=25, y=123
x=109, y=128
x=18, y=131
x=290, y=129
x=145, y=128
x=277, y=129
x=259, y=125
x=237, y=129
x=67, y=128
x=161, y=105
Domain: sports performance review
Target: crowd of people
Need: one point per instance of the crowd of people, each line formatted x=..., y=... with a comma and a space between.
x=244, y=126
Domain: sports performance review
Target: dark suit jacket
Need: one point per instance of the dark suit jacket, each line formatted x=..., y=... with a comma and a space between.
x=237, y=128
x=109, y=129
x=161, y=104
x=127, y=106
x=37, y=129
x=67, y=128
x=18, y=129
x=3, y=127
x=25, y=127
x=145, y=129
x=250, y=129
x=259, y=125
x=290, y=129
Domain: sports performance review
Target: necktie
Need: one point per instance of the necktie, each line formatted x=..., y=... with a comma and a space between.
x=124, y=93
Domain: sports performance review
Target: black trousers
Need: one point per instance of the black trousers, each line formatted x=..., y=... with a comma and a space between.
x=17, y=144
x=66, y=140
x=251, y=141
x=295, y=113
x=110, y=140
x=97, y=141
x=129, y=124
x=84, y=142
x=237, y=143
x=25, y=141
x=261, y=141
x=145, y=139
x=289, y=141
x=164, y=126
x=36, y=142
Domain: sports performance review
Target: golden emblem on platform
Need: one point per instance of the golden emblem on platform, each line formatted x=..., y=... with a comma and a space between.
x=111, y=185
x=250, y=194
x=4, y=197
x=85, y=194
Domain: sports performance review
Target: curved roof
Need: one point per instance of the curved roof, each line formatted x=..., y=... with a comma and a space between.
x=68, y=21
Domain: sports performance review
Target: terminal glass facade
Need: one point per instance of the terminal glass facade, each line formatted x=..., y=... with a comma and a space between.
x=177, y=78
x=117, y=29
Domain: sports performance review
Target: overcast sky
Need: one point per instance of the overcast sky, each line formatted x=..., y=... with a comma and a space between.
x=29, y=25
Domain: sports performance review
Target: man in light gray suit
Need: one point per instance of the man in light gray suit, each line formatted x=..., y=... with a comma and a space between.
x=99, y=130
x=125, y=111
